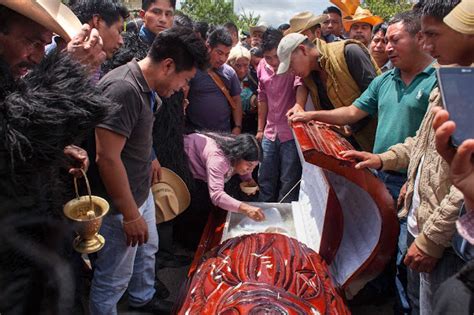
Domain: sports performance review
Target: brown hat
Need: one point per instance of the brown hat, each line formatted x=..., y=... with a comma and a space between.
x=51, y=14
x=361, y=16
x=171, y=196
x=303, y=21
x=461, y=18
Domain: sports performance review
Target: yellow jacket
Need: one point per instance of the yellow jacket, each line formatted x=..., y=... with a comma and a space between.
x=341, y=88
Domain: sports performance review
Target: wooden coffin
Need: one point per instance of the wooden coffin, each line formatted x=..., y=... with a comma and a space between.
x=345, y=215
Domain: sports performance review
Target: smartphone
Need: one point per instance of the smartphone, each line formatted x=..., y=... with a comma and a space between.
x=457, y=91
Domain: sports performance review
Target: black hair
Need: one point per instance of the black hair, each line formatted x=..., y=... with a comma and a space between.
x=201, y=27
x=219, y=36
x=283, y=27
x=270, y=39
x=109, y=10
x=333, y=9
x=230, y=26
x=183, y=46
x=242, y=147
x=409, y=19
x=437, y=9
x=381, y=27
x=183, y=20
x=256, y=51
x=146, y=4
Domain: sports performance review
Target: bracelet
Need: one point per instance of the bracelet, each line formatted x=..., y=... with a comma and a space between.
x=237, y=126
x=259, y=130
x=132, y=221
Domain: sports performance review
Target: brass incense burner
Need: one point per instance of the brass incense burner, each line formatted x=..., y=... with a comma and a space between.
x=87, y=213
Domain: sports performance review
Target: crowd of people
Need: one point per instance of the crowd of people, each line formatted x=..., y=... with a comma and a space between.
x=213, y=106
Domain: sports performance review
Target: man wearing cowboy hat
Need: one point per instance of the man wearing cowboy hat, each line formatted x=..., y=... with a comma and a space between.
x=256, y=33
x=308, y=24
x=41, y=18
x=359, y=26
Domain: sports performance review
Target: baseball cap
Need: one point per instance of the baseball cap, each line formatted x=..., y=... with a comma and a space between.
x=287, y=45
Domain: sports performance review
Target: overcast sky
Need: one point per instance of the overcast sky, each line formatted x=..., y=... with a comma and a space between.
x=276, y=12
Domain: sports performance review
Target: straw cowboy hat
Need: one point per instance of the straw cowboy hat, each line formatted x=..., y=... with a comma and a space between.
x=361, y=16
x=51, y=14
x=261, y=27
x=461, y=18
x=171, y=196
x=303, y=21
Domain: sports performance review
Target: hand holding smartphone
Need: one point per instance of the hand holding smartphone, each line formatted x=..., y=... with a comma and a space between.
x=457, y=91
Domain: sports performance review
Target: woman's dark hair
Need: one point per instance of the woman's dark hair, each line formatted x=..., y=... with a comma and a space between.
x=109, y=10
x=270, y=39
x=183, y=46
x=236, y=148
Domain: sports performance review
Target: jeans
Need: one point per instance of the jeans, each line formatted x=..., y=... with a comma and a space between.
x=118, y=266
x=422, y=285
x=394, y=183
x=279, y=171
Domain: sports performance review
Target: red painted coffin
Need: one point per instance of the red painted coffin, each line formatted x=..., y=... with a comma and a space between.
x=338, y=236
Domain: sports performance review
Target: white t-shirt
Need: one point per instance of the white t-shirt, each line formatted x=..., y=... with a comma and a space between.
x=412, y=222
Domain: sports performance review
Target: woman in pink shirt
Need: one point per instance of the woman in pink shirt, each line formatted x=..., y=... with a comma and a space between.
x=214, y=158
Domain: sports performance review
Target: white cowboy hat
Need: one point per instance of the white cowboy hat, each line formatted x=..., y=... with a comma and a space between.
x=51, y=14
x=171, y=196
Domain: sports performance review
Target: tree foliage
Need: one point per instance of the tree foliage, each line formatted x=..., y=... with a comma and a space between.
x=217, y=12
x=387, y=8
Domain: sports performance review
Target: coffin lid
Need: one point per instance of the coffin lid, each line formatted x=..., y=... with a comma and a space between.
x=346, y=215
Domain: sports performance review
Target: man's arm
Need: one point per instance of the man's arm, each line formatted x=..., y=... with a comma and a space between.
x=109, y=146
x=301, y=96
x=237, y=115
x=340, y=116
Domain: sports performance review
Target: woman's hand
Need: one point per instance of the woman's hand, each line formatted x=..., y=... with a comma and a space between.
x=252, y=212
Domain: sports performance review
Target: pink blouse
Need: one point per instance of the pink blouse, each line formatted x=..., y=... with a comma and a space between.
x=208, y=163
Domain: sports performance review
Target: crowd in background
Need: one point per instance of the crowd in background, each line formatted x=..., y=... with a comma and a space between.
x=212, y=106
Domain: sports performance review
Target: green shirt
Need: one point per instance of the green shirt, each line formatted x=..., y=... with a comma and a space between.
x=400, y=108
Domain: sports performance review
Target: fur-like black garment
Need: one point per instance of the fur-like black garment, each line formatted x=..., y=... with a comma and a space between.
x=133, y=47
x=52, y=107
x=168, y=137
